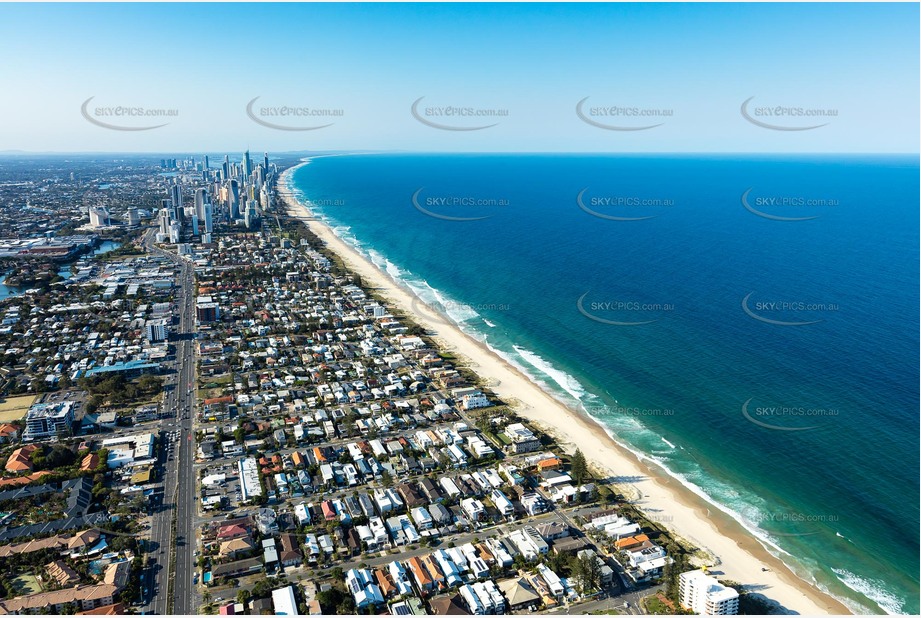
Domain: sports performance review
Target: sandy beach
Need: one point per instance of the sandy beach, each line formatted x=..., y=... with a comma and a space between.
x=741, y=556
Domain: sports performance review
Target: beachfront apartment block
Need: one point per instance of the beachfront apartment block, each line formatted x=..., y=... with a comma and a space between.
x=523, y=439
x=703, y=594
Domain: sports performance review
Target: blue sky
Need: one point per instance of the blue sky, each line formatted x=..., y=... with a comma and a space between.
x=693, y=65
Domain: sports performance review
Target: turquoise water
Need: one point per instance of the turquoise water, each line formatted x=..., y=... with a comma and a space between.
x=752, y=326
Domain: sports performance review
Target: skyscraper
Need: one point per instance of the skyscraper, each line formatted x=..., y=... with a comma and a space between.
x=233, y=197
x=206, y=162
x=207, y=210
x=265, y=162
x=176, y=196
x=201, y=198
x=164, y=221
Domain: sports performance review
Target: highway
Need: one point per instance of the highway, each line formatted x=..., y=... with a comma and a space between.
x=170, y=586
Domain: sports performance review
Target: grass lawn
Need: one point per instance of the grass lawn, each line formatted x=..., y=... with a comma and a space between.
x=654, y=605
x=14, y=408
x=26, y=583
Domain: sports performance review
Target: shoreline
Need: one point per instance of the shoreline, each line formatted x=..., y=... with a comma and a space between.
x=739, y=555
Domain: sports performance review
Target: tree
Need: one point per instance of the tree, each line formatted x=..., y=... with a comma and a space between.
x=262, y=589
x=587, y=573
x=578, y=467
x=677, y=565
x=386, y=479
x=244, y=596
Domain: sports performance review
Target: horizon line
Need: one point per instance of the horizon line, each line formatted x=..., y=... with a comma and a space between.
x=17, y=152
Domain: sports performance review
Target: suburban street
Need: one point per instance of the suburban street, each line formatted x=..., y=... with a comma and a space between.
x=171, y=589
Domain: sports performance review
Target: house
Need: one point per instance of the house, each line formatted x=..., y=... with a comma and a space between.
x=519, y=593
x=8, y=433
x=552, y=463
x=533, y=503
x=448, y=605
x=430, y=490
x=236, y=548
x=424, y=581
x=503, y=504
x=232, y=531
x=473, y=508
x=361, y=583
x=553, y=530
x=21, y=459
x=422, y=518
x=269, y=554
x=290, y=554
x=553, y=581
x=440, y=514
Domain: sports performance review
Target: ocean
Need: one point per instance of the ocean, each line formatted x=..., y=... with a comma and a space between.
x=750, y=322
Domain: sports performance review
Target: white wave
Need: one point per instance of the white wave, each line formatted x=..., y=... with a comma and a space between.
x=667, y=442
x=562, y=379
x=873, y=589
x=457, y=311
x=488, y=323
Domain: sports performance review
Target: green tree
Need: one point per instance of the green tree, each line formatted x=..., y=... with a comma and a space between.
x=587, y=573
x=262, y=589
x=676, y=565
x=578, y=467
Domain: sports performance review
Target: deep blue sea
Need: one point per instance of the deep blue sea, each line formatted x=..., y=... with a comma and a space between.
x=750, y=322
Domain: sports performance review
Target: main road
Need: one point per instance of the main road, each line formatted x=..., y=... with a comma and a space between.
x=171, y=560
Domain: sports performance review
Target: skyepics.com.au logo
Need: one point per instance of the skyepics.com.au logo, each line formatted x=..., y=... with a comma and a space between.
x=789, y=523
x=621, y=311
x=639, y=411
x=781, y=207
x=292, y=117
x=622, y=117
x=621, y=206
x=784, y=312
x=786, y=117
x=125, y=117
x=457, y=117
x=457, y=207
x=440, y=311
x=770, y=415
x=324, y=202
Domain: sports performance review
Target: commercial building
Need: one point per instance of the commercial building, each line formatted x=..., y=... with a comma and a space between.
x=249, y=479
x=206, y=310
x=157, y=330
